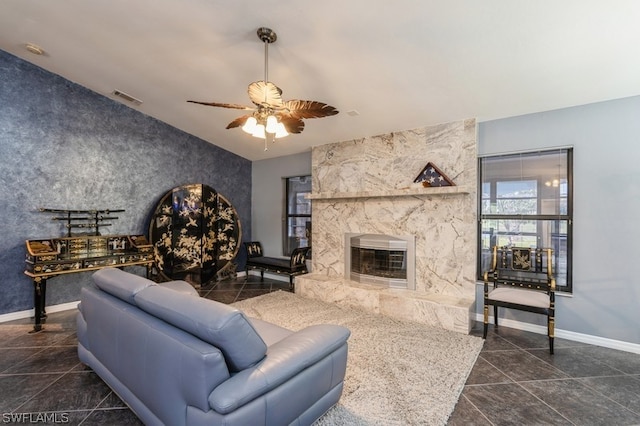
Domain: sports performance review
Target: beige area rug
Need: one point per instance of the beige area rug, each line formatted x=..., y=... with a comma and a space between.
x=398, y=372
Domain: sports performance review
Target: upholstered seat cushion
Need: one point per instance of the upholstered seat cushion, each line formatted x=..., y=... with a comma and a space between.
x=274, y=262
x=537, y=299
x=220, y=325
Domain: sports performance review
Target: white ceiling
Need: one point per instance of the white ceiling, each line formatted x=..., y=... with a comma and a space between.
x=400, y=64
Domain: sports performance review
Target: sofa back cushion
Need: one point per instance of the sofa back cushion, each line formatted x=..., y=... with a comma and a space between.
x=220, y=325
x=139, y=354
x=120, y=284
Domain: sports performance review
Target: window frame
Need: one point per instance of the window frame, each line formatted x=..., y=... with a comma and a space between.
x=540, y=218
x=287, y=246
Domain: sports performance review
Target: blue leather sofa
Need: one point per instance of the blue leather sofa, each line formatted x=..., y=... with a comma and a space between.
x=178, y=359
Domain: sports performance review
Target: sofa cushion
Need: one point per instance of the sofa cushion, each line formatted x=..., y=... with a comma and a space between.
x=120, y=284
x=220, y=325
x=269, y=332
x=181, y=286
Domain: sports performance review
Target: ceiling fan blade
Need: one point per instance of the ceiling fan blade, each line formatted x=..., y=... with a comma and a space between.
x=292, y=124
x=308, y=109
x=261, y=92
x=217, y=104
x=238, y=122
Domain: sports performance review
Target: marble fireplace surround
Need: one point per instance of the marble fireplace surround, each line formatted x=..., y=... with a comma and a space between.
x=366, y=186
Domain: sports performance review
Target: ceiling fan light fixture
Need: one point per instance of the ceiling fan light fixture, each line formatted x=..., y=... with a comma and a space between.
x=272, y=123
x=271, y=117
x=281, y=131
x=250, y=125
x=34, y=48
x=259, y=132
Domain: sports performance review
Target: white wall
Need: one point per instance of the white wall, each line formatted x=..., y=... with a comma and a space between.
x=606, y=245
x=267, y=199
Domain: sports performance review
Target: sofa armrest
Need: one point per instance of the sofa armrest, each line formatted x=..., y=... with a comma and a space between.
x=284, y=360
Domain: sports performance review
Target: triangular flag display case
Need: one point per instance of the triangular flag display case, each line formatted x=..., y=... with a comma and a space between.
x=432, y=176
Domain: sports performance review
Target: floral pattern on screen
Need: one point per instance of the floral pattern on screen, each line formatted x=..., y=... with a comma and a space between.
x=195, y=232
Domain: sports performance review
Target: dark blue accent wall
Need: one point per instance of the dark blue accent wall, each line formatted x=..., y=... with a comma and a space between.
x=64, y=146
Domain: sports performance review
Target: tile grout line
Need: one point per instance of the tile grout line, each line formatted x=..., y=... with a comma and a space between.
x=40, y=391
x=604, y=396
x=576, y=379
x=477, y=408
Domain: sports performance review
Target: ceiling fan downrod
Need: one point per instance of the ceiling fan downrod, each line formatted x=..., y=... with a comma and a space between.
x=268, y=36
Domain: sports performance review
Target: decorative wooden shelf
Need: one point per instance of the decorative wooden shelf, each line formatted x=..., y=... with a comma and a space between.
x=404, y=192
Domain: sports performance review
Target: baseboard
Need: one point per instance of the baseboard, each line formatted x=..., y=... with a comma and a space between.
x=566, y=334
x=30, y=312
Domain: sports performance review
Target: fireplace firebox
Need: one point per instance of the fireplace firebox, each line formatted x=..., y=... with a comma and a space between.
x=386, y=260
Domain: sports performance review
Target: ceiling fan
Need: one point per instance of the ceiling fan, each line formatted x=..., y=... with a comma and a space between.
x=272, y=117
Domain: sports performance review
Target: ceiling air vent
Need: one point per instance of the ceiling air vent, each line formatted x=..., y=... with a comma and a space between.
x=127, y=97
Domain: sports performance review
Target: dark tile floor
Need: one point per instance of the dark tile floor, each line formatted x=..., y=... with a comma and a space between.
x=43, y=382
x=514, y=381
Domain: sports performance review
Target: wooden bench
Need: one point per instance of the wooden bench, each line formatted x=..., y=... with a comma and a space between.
x=294, y=265
x=522, y=279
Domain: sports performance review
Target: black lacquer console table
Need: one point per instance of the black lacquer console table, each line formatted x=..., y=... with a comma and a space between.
x=59, y=256
x=48, y=258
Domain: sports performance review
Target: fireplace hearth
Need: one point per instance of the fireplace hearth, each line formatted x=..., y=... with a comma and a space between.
x=385, y=260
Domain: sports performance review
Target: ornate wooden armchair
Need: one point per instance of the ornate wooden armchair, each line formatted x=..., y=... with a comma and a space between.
x=522, y=279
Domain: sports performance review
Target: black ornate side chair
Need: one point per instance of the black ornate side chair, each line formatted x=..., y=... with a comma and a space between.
x=521, y=278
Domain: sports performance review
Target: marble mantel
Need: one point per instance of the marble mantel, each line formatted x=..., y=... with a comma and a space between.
x=366, y=186
x=401, y=192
